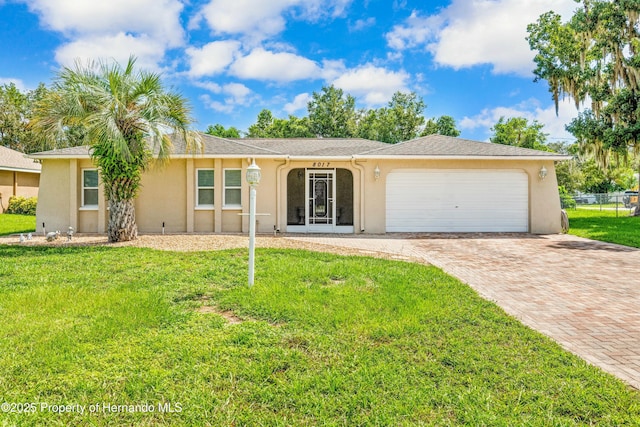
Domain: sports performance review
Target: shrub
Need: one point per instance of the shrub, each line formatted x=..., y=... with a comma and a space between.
x=22, y=206
x=566, y=201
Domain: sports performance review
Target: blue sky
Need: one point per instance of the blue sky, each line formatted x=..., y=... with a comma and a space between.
x=232, y=58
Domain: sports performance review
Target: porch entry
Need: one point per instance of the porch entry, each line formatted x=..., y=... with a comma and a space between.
x=320, y=201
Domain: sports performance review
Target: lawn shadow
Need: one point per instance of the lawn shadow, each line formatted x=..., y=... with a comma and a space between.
x=591, y=245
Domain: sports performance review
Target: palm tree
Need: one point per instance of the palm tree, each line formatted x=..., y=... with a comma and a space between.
x=126, y=118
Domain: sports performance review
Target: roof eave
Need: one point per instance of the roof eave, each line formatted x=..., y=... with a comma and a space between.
x=462, y=157
x=58, y=156
x=9, y=168
x=320, y=157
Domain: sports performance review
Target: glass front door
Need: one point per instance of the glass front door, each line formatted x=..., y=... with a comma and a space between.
x=321, y=201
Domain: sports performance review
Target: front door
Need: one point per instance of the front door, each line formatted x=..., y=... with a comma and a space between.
x=321, y=209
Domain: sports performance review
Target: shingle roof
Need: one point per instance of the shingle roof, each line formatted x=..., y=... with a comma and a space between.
x=325, y=147
x=213, y=145
x=264, y=147
x=432, y=146
x=16, y=161
x=447, y=146
x=69, y=152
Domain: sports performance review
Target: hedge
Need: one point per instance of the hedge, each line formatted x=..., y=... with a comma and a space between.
x=22, y=205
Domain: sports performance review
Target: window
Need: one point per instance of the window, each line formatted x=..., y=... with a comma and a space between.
x=205, y=188
x=90, y=188
x=232, y=188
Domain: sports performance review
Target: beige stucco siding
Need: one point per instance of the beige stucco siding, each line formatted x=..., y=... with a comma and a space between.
x=163, y=199
x=169, y=194
x=204, y=221
x=22, y=184
x=88, y=221
x=266, y=196
x=54, y=196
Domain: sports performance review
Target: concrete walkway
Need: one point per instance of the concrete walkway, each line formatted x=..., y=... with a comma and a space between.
x=582, y=293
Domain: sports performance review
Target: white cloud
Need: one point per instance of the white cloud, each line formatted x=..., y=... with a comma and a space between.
x=118, y=47
x=473, y=32
x=157, y=18
x=212, y=58
x=259, y=19
x=299, y=103
x=279, y=67
x=210, y=86
x=332, y=69
x=362, y=24
x=113, y=29
x=313, y=10
x=416, y=31
x=236, y=94
x=216, y=105
x=530, y=110
x=373, y=85
x=239, y=92
x=246, y=16
x=17, y=82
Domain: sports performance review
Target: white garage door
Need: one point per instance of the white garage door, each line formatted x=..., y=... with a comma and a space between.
x=452, y=200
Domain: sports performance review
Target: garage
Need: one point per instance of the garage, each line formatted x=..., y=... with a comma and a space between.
x=457, y=200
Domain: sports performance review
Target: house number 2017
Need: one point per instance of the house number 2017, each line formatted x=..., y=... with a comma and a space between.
x=320, y=164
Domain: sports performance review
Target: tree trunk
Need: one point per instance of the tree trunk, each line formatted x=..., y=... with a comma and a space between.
x=122, y=221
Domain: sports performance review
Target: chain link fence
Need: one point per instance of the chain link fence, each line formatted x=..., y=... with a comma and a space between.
x=623, y=202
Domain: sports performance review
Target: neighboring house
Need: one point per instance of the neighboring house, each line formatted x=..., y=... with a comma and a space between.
x=324, y=185
x=19, y=176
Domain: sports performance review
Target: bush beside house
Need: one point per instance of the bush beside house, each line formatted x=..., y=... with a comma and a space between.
x=22, y=205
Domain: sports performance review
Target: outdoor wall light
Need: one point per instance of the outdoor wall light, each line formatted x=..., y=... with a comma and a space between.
x=376, y=172
x=253, y=174
x=543, y=172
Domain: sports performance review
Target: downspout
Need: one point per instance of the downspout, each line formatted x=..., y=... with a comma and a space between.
x=361, y=169
x=279, y=191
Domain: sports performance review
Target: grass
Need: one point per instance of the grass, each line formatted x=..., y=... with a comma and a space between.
x=326, y=340
x=605, y=226
x=11, y=223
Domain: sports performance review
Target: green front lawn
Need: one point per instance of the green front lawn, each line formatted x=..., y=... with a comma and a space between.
x=11, y=223
x=325, y=340
x=605, y=226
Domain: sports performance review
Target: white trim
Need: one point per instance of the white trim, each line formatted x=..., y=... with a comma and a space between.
x=338, y=229
x=83, y=206
x=9, y=168
x=198, y=206
x=225, y=206
x=555, y=157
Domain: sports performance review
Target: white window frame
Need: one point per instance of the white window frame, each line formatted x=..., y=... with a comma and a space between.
x=234, y=187
x=198, y=188
x=84, y=206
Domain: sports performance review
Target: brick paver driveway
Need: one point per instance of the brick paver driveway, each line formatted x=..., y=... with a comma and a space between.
x=582, y=293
